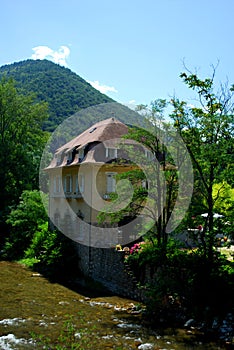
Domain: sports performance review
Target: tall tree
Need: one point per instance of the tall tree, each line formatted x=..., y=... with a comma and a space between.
x=207, y=130
x=21, y=143
x=158, y=196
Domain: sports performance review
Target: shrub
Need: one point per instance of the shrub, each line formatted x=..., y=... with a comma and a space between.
x=23, y=221
x=182, y=282
x=53, y=252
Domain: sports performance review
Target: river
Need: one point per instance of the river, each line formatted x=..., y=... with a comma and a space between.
x=38, y=314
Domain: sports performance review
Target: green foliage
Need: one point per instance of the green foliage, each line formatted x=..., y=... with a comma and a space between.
x=33, y=243
x=223, y=195
x=23, y=221
x=65, y=91
x=207, y=131
x=54, y=253
x=183, y=282
x=66, y=94
x=153, y=177
x=29, y=262
x=149, y=252
x=21, y=143
x=139, y=194
x=45, y=246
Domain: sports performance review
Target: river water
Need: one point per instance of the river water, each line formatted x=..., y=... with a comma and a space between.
x=33, y=309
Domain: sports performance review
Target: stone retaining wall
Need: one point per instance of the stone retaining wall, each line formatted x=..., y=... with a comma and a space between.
x=106, y=265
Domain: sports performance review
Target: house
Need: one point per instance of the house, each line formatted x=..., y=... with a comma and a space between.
x=82, y=176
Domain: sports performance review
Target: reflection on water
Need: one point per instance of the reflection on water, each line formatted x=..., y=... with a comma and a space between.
x=29, y=303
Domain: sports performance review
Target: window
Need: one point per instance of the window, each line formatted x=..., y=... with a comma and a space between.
x=57, y=184
x=79, y=183
x=149, y=155
x=58, y=158
x=68, y=184
x=81, y=154
x=110, y=182
x=145, y=184
x=69, y=157
x=92, y=130
x=111, y=153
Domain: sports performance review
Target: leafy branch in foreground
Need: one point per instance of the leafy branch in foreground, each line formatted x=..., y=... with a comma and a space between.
x=207, y=131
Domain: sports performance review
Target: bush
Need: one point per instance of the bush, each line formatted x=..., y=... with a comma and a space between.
x=183, y=283
x=32, y=243
x=23, y=221
x=51, y=252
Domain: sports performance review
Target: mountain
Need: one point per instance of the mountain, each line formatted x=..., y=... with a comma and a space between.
x=65, y=91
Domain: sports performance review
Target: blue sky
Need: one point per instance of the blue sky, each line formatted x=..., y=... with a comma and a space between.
x=131, y=50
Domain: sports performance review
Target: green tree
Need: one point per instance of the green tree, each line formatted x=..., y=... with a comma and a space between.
x=65, y=91
x=207, y=131
x=21, y=142
x=223, y=195
x=24, y=220
x=33, y=243
x=161, y=178
x=155, y=178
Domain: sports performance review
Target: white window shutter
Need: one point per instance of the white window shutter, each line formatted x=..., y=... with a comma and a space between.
x=81, y=183
x=111, y=183
x=111, y=152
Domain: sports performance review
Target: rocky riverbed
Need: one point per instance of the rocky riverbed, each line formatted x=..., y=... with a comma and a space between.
x=36, y=313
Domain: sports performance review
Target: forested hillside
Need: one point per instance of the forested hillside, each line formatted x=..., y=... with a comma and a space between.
x=65, y=91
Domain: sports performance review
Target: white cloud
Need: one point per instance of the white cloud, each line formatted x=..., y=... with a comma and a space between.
x=45, y=52
x=190, y=105
x=102, y=88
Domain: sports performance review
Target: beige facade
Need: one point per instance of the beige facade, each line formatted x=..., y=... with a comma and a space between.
x=82, y=175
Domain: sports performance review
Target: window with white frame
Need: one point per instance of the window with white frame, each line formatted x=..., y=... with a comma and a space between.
x=111, y=152
x=68, y=184
x=110, y=182
x=57, y=184
x=79, y=183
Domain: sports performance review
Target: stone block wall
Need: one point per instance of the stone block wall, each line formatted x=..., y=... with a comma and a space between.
x=106, y=266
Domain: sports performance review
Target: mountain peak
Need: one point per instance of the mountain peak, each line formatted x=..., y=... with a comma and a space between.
x=65, y=91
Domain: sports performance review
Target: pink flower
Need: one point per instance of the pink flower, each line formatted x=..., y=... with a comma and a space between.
x=136, y=247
